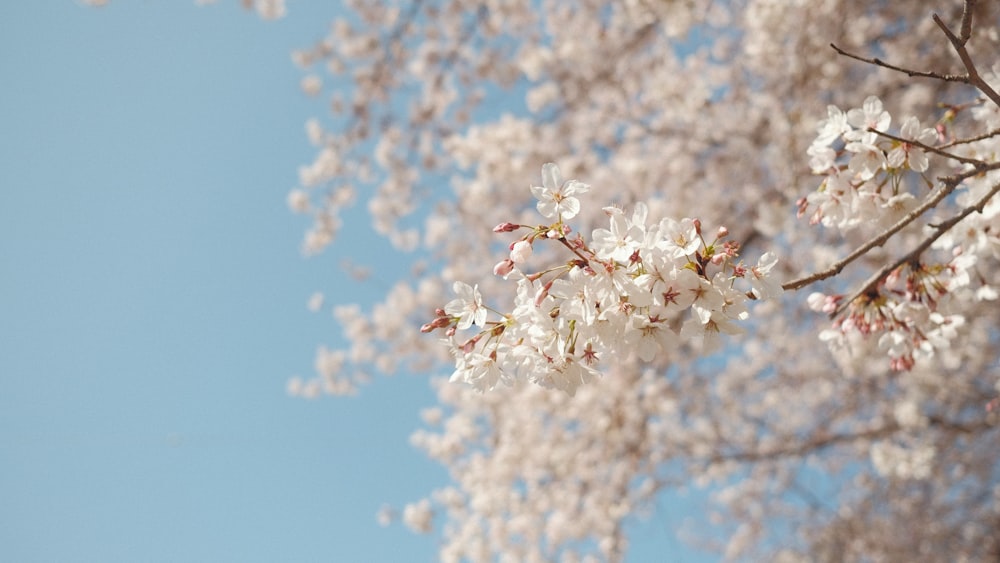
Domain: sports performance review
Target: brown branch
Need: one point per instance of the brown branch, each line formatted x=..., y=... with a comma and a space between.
x=966, y=33
x=823, y=441
x=958, y=43
x=973, y=77
x=939, y=230
x=948, y=186
x=908, y=71
x=802, y=449
x=982, y=137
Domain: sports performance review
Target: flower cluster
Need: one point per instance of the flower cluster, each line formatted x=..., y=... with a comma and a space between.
x=904, y=312
x=633, y=287
x=862, y=175
x=908, y=312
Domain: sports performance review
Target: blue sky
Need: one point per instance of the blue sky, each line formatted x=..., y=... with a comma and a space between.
x=153, y=302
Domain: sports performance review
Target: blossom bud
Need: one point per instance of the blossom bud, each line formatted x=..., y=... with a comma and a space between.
x=723, y=233
x=718, y=259
x=506, y=227
x=520, y=251
x=503, y=268
x=697, y=225
x=442, y=321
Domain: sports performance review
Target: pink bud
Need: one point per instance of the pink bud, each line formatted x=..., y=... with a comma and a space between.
x=520, y=251
x=503, y=268
x=697, y=225
x=723, y=233
x=505, y=227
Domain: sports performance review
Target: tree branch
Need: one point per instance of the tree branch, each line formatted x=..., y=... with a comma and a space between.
x=939, y=229
x=973, y=77
x=909, y=72
x=967, y=10
x=958, y=43
x=949, y=184
x=982, y=137
x=947, y=187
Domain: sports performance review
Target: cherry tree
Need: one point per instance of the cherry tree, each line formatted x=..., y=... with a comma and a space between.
x=749, y=246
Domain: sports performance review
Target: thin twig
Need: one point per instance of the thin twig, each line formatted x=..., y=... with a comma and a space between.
x=966, y=33
x=982, y=137
x=928, y=148
x=908, y=71
x=973, y=77
x=912, y=256
x=948, y=186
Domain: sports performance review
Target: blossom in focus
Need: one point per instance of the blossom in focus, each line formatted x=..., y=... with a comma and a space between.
x=556, y=198
x=907, y=154
x=520, y=251
x=468, y=306
x=680, y=237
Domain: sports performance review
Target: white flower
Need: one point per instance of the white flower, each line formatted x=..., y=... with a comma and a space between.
x=868, y=159
x=556, y=198
x=520, y=251
x=681, y=237
x=618, y=243
x=834, y=202
x=763, y=285
x=566, y=374
x=468, y=307
x=832, y=127
x=482, y=371
x=647, y=338
x=906, y=153
x=706, y=326
x=870, y=116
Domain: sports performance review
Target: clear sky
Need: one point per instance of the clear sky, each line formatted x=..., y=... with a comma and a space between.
x=153, y=303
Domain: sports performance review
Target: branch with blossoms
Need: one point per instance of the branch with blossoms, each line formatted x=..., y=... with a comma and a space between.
x=644, y=288
x=899, y=302
x=634, y=287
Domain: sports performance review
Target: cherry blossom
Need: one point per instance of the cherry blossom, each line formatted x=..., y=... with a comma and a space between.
x=467, y=307
x=601, y=346
x=556, y=198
